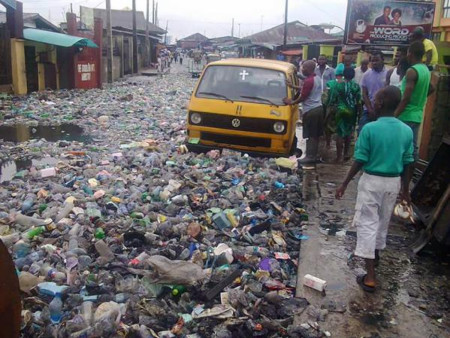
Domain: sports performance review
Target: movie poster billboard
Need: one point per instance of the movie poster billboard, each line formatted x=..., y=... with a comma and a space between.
x=381, y=22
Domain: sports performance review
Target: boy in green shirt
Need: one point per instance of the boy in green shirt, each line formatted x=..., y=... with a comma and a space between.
x=416, y=87
x=384, y=151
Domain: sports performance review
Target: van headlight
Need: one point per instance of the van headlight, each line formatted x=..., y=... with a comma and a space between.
x=279, y=127
x=196, y=118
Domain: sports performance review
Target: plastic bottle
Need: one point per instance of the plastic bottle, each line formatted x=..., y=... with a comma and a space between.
x=99, y=233
x=53, y=274
x=64, y=212
x=42, y=208
x=88, y=190
x=279, y=185
x=257, y=250
x=27, y=205
x=178, y=290
x=73, y=243
x=103, y=250
x=21, y=249
x=34, y=232
x=9, y=240
x=55, y=308
x=86, y=312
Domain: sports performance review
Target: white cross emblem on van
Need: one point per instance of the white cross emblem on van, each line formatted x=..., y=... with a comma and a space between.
x=243, y=74
x=236, y=123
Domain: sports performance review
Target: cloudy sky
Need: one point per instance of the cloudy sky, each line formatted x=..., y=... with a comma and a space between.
x=210, y=17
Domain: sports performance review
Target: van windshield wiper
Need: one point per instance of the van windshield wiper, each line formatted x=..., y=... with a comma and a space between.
x=260, y=99
x=217, y=95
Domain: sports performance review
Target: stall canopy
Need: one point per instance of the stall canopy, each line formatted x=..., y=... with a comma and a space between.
x=57, y=39
x=294, y=52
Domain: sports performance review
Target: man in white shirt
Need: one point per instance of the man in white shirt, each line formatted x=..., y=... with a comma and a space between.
x=324, y=72
x=359, y=71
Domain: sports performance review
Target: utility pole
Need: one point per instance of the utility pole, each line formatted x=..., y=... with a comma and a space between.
x=239, y=36
x=232, y=28
x=71, y=8
x=135, y=49
x=156, y=15
x=165, y=35
x=147, y=21
x=285, y=24
x=109, y=52
x=153, y=12
x=147, y=39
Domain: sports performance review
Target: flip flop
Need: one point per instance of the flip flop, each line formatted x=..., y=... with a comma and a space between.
x=360, y=280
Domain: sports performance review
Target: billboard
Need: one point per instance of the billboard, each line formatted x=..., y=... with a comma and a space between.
x=87, y=17
x=384, y=22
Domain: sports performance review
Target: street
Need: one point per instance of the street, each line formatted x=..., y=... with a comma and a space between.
x=119, y=147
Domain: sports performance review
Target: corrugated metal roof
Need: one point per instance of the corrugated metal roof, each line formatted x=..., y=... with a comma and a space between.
x=297, y=33
x=33, y=20
x=124, y=19
x=197, y=37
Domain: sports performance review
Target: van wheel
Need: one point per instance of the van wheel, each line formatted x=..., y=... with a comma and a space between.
x=294, y=151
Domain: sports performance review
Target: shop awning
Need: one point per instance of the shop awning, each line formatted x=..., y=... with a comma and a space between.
x=57, y=39
x=293, y=52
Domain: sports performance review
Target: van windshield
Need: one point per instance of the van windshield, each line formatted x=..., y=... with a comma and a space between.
x=246, y=84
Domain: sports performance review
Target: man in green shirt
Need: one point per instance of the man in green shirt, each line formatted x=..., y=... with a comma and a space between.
x=384, y=151
x=416, y=87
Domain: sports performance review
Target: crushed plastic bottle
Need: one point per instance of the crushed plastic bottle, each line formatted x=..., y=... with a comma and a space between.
x=55, y=308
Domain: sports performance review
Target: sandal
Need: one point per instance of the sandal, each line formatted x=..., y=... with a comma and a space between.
x=360, y=280
x=377, y=258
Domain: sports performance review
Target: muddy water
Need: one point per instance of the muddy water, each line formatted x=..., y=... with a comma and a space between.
x=22, y=133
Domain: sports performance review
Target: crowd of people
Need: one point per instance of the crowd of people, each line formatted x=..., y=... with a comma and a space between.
x=166, y=58
x=339, y=102
x=383, y=109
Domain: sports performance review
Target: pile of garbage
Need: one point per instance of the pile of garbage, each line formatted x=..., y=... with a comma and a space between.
x=127, y=233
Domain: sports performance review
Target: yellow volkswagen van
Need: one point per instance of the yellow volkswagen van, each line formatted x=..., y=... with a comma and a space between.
x=238, y=104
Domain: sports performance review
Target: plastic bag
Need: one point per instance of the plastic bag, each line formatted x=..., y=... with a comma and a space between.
x=166, y=271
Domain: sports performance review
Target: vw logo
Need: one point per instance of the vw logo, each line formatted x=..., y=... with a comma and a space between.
x=236, y=123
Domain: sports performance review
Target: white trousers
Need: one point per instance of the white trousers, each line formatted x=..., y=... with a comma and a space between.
x=374, y=205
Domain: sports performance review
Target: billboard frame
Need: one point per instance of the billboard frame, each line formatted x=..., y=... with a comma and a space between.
x=389, y=44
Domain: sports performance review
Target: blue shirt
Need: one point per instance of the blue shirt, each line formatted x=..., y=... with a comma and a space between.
x=374, y=81
x=385, y=147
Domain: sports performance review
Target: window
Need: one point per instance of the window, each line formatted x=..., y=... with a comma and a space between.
x=446, y=9
x=248, y=84
x=436, y=36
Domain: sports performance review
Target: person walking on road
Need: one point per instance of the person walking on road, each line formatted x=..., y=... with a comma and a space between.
x=325, y=72
x=384, y=151
x=312, y=112
x=373, y=80
x=416, y=87
x=347, y=103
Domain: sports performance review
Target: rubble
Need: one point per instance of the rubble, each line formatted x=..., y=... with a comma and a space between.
x=134, y=233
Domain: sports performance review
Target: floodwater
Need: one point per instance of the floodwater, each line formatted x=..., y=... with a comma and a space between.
x=9, y=169
x=22, y=133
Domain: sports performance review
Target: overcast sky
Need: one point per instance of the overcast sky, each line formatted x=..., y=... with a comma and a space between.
x=209, y=17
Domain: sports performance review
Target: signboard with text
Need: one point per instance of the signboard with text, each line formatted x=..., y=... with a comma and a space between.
x=381, y=22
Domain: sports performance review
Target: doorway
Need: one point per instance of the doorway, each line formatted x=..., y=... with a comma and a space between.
x=31, y=69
